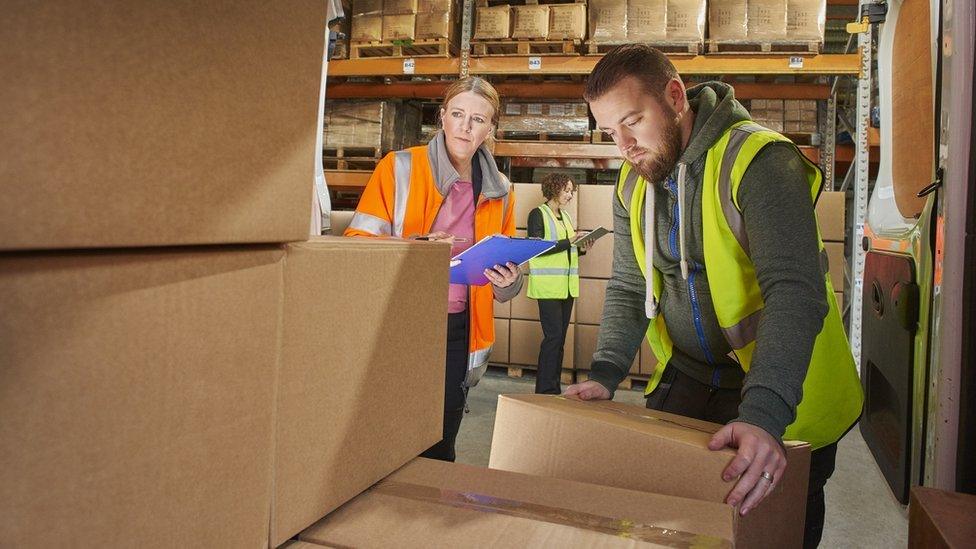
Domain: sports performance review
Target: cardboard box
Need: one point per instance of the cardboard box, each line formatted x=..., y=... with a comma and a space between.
x=295, y=544
x=432, y=6
x=586, y=342
x=598, y=261
x=647, y=20
x=339, y=220
x=806, y=19
x=499, y=351
x=387, y=125
x=728, y=20
x=589, y=305
x=528, y=196
x=430, y=503
x=567, y=21
x=155, y=126
x=608, y=21
x=531, y=21
x=767, y=20
x=596, y=206
x=648, y=362
x=434, y=25
x=366, y=28
x=330, y=416
x=613, y=444
x=562, y=117
x=399, y=27
x=144, y=401
x=831, y=209
x=399, y=7
x=526, y=337
x=841, y=302
x=937, y=518
x=493, y=23
x=503, y=310
x=686, y=20
x=367, y=7
x=838, y=263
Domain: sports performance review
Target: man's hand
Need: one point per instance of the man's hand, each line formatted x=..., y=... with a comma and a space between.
x=588, y=390
x=503, y=276
x=760, y=459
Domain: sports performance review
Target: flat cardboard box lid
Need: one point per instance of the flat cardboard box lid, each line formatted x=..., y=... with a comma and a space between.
x=430, y=503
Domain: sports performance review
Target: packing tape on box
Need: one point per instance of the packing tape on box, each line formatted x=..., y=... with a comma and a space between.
x=623, y=528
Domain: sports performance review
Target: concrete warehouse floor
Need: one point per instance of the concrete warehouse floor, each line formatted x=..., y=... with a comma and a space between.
x=861, y=512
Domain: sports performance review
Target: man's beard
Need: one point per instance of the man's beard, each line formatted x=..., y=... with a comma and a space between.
x=662, y=161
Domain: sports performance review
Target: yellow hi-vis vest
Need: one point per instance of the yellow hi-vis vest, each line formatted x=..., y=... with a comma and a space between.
x=555, y=276
x=832, y=395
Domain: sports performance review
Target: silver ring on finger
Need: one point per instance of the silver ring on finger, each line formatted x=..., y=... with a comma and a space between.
x=766, y=475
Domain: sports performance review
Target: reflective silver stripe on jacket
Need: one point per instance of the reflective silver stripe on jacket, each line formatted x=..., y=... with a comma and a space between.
x=370, y=224
x=550, y=223
x=628, y=191
x=401, y=192
x=744, y=332
x=733, y=216
x=477, y=365
x=554, y=271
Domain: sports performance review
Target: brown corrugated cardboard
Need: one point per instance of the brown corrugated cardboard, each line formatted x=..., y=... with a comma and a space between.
x=596, y=206
x=608, y=21
x=531, y=21
x=838, y=265
x=399, y=27
x=367, y=28
x=589, y=305
x=367, y=7
x=503, y=310
x=805, y=19
x=841, y=302
x=586, y=340
x=937, y=518
x=144, y=401
x=647, y=20
x=648, y=362
x=499, y=351
x=767, y=20
x=339, y=220
x=528, y=196
x=387, y=125
x=830, y=215
x=686, y=20
x=429, y=503
x=434, y=25
x=399, y=7
x=493, y=23
x=158, y=125
x=614, y=444
x=431, y=6
x=728, y=20
x=525, y=338
x=567, y=21
x=357, y=313
x=295, y=544
x=561, y=117
x=598, y=261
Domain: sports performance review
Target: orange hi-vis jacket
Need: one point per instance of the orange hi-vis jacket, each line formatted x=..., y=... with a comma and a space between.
x=402, y=199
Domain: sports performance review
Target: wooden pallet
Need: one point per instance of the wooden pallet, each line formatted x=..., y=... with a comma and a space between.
x=778, y=46
x=631, y=382
x=351, y=158
x=508, y=48
x=507, y=135
x=341, y=50
x=691, y=47
x=430, y=47
x=567, y=377
x=599, y=136
x=486, y=3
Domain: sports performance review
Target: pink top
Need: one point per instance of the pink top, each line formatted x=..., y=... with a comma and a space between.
x=456, y=217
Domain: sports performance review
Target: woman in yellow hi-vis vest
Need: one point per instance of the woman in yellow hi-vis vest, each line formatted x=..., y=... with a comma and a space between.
x=553, y=277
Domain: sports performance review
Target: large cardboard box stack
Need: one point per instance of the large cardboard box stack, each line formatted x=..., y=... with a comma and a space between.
x=686, y=20
x=531, y=22
x=800, y=116
x=367, y=21
x=768, y=113
x=567, y=21
x=387, y=125
x=608, y=21
x=429, y=503
x=436, y=19
x=175, y=394
x=399, y=19
x=563, y=118
x=493, y=23
x=831, y=210
x=767, y=20
x=806, y=19
x=625, y=446
x=647, y=20
x=728, y=20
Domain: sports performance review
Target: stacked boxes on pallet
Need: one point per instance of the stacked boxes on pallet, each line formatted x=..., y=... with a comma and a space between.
x=831, y=208
x=168, y=393
x=367, y=21
x=387, y=125
x=789, y=116
x=769, y=22
x=436, y=20
x=540, y=118
x=399, y=19
x=657, y=22
x=531, y=22
x=493, y=23
x=403, y=20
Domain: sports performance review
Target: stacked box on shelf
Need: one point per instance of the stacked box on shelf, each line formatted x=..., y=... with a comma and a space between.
x=381, y=125
x=493, y=23
x=567, y=21
x=766, y=23
x=531, y=22
x=831, y=210
x=686, y=23
x=608, y=21
x=668, y=24
x=436, y=19
x=790, y=116
x=538, y=119
x=367, y=21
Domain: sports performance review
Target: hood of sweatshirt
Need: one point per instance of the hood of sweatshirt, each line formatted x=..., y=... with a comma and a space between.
x=493, y=183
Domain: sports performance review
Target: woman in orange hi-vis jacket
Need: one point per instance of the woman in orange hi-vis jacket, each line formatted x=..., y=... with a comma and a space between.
x=451, y=190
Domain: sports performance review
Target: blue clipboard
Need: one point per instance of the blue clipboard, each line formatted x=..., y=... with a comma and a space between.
x=468, y=267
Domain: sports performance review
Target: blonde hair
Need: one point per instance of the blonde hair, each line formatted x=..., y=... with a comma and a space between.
x=478, y=86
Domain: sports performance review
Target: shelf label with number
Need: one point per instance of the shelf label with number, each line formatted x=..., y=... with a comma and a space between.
x=535, y=63
x=796, y=62
x=409, y=66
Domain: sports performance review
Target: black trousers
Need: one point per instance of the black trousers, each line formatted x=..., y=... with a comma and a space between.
x=554, y=315
x=455, y=393
x=683, y=395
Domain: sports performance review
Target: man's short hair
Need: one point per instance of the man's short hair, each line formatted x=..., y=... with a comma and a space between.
x=649, y=66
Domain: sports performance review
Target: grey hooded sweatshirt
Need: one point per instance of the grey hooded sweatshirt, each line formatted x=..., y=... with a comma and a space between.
x=774, y=197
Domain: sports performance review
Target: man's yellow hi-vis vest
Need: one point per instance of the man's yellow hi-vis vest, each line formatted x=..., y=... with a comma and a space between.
x=555, y=276
x=832, y=395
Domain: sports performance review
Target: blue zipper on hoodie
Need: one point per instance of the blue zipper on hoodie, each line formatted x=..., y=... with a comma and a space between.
x=694, y=270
